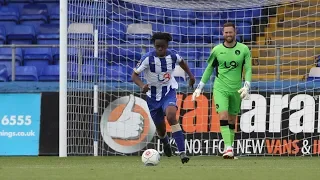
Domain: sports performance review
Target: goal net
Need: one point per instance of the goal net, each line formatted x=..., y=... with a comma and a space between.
x=107, y=114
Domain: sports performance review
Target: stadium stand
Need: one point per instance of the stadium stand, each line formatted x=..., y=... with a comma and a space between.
x=36, y=22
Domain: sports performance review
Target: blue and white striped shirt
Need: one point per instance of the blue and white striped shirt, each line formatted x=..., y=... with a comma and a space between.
x=158, y=73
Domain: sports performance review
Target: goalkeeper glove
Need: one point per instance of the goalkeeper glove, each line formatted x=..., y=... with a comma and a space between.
x=244, y=91
x=197, y=92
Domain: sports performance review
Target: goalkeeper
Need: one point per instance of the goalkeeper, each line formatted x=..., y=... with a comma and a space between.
x=229, y=59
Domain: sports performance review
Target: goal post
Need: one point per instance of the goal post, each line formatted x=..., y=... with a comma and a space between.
x=102, y=112
x=63, y=56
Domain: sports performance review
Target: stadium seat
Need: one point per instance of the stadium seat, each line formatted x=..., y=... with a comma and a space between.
x=80, y=33
x=113, y=30
x=2, y=35
x=214, y=28
x=6, y=57
x=83, y=72
x=113, y=73
x=174, y=30
x=38, y=57
x=25, y=73
x=48, y=34
x=195, y=34
x=208, y=16
x=9, y=16
x=18, y=3
x=188, y=54
x=34, y=14
x=139, y=33
x=46, y=1
x=124, y=55
x=150, y=14
x=3, y=73
x=244, y=31
x=118, y=13
x=49, y=73
x=54, y=14
x=314, y=74
x=180, y=15
x=21, y=34
x=55, y=55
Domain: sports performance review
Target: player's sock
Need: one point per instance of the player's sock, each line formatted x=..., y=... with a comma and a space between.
x=178, y=136
x=164, y=140
x=232, y=127
x=225, y=131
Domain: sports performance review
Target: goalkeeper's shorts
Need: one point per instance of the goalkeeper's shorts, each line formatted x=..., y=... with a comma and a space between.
x=227, y=101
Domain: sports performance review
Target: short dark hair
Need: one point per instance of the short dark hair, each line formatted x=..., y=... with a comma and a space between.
x=229, y=24
x=161, y=35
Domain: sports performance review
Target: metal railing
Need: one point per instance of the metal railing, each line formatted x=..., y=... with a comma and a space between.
x=277, y=49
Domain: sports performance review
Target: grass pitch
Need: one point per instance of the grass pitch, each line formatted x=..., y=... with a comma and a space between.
x=131, y=168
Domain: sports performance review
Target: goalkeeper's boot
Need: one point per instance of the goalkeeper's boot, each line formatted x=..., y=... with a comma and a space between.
x=184, y=158
x=228, y=154
x=167, y=150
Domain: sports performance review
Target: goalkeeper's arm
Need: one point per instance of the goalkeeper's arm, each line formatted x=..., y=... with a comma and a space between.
x=244, y=91
x=205, y=76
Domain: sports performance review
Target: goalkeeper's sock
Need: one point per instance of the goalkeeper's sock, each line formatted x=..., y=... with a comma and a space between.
x=164, y=140
x=225, y=131
x=178, y=136
x=232, y=127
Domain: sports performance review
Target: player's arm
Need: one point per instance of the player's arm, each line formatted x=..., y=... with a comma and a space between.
x=186, y=69
x=244, y=91
x=141, y=66
x=206, y=75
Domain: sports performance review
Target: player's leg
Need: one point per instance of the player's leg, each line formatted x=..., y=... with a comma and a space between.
x=157, y=116
x=234, y=110
x=170, y=108
x=222, y=106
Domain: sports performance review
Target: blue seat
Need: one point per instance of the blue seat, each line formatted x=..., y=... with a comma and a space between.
x=244, y=30
x=150, y=14
x=180, y=15
x=118, y=13
x=189, y=54
x=55, y=55
x=87, y=72
x=194, y=34
x=50, y=73
x=174, y=30
x=21, y=34
x=3, y=73
x=114, y=73
x=25, y=73
x=198, y=72
x=34, y=14
x=120, y=54
x=2, y=35
x=19, y=1
x=214, y=28
x=239, y=15
x=48, y=34
x=54, y=14
x=19, y=4
x=9, y=16
x=207, y=16
x=38, y=57
x=112, y=31
x=46, y=1
x=80, y=38
x=6, y=55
